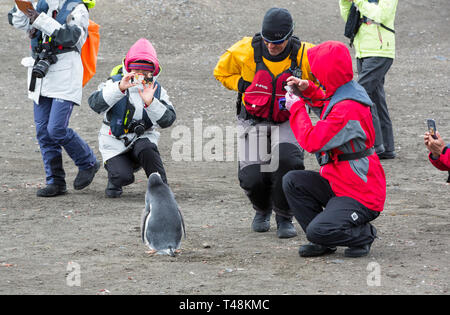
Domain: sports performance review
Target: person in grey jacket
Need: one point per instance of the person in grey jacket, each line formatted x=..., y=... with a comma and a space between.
x=133, y=107
x=58, y=30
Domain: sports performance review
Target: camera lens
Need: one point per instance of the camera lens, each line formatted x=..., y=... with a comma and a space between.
x=139, y=130
x=41, y=68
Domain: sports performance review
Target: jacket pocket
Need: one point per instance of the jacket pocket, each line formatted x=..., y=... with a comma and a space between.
x=257, y=103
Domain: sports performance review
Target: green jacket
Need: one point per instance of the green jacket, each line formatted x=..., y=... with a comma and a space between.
x=372, y=40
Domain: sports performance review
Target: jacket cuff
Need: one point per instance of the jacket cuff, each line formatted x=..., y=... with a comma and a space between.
x=46, y=24
x=310, y=90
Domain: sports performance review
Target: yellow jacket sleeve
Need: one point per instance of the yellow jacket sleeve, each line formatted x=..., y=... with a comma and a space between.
x=234, y=63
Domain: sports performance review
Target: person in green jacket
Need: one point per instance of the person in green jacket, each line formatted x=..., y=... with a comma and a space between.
x=375, y=52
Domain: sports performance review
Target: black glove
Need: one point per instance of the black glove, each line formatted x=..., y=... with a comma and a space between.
x=32, y=15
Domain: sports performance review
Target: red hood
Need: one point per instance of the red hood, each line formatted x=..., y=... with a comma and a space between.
x=142, y=50
x=331, y=64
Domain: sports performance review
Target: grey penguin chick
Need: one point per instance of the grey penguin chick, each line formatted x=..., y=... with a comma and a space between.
x=162, y=223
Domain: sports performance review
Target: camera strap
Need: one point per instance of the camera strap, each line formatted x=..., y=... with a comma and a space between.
x=32, y=86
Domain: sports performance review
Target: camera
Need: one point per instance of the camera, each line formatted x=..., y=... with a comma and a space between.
x=138, y=127
x=46, y=59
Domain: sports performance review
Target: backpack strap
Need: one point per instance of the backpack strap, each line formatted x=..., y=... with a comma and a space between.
x=257, y=48
x=296, y=45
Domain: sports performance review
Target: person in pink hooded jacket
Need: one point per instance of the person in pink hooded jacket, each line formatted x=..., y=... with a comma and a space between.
x=134, y=105
x=334, y=206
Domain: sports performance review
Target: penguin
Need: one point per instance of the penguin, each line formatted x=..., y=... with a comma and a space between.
x=162, y=223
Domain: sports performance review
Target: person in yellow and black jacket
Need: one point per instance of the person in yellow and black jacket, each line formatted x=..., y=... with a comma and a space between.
x=257, y=68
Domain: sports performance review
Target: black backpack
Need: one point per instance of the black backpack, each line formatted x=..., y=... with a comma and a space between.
x=354, y=21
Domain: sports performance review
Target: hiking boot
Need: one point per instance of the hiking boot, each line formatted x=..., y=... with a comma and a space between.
x=113, y=191
x=261, y=221
x=84, y=177
x=285, y=227
x=313, y=250
x=52, y=190
x=379, y=149
x=357, y=251
x=387, y=155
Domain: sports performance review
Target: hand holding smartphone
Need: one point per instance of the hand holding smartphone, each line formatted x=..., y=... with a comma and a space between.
x=432, y=128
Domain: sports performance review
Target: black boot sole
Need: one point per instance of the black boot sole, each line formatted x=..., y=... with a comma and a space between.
x=60, y=193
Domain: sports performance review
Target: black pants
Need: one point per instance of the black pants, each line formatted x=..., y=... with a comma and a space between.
x=144, y=154
x=326, y=219
x=265, y=189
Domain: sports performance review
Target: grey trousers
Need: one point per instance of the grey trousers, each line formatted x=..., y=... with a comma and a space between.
x=371, y=74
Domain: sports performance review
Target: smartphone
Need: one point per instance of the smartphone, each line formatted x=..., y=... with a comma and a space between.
x=432, y=127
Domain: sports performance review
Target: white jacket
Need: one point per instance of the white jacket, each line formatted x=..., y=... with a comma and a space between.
x=65, y=78
x=161, y=112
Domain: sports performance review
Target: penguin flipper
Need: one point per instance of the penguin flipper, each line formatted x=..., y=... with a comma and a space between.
x=182, y=222
x=144, y=216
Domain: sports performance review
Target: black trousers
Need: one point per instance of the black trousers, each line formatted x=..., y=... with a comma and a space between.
x=143, y=154
x=265, y=189
x=326, y=219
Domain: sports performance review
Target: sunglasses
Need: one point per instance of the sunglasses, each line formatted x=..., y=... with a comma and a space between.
x=279, y=41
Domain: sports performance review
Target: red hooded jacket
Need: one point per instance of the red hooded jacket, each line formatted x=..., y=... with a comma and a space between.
x=345, y=126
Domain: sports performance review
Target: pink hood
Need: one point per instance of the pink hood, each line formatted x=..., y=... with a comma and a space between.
x=142, y=50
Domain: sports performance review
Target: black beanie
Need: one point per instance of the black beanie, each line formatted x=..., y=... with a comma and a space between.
x=277, y=25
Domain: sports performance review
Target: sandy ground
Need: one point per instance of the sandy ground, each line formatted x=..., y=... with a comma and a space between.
x=44, y=241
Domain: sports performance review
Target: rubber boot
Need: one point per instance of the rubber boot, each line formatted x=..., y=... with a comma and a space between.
x=85, y=177
x=52, y=190
x=113, y=191
x=285, y=227
x=313, y=250
x=261, y=221
x=357, y=251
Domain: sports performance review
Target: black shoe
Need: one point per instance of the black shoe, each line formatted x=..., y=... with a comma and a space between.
x=313, y=250
x=387, y=155
x=261, y=221
x=51, y=190
x=285, y=227
x=379, y=148
x=113, y=191
x=357, y=251
x=84, y=177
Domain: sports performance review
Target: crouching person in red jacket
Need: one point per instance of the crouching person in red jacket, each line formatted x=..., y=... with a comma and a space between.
x=334, y=206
